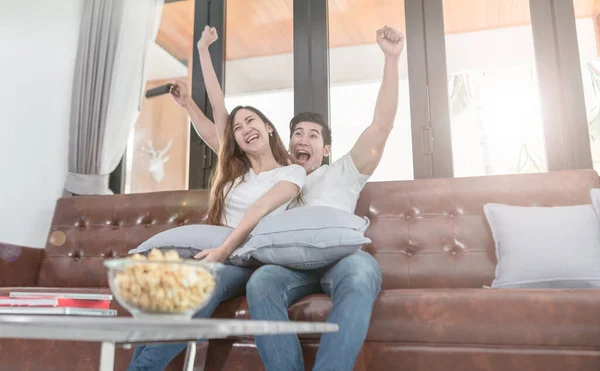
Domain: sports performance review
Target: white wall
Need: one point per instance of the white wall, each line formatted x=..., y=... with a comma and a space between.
x=38, y=43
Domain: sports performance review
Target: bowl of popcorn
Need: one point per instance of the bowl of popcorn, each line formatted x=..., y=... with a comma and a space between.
x=162, y=284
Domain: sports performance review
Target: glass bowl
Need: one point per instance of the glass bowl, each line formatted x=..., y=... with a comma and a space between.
x=162, y=285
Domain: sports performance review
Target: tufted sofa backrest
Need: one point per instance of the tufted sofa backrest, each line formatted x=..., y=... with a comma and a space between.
x=432, y=233
x=88, y=229
x=426, y=233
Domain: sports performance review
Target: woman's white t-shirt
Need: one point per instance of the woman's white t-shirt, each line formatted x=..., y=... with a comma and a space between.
x=244, y=194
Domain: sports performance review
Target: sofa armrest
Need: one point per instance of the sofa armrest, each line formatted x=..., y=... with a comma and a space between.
x=19, y=265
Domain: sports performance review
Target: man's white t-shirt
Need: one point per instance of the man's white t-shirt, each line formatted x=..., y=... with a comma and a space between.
x=254, y=186
x=337, y=185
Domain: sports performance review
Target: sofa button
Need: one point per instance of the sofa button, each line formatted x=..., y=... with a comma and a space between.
x=179, y=222
x=115, y=223
x=146, y=220
x=76, y=255
x=81, y=224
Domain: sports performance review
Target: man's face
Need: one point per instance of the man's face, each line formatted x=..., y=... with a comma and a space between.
x=306, y=146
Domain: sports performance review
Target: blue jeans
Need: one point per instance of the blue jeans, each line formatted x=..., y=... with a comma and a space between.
x=155, y=357
x=353, y=284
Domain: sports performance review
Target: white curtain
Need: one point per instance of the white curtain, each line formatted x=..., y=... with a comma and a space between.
x=108, y=87
x=141, y=19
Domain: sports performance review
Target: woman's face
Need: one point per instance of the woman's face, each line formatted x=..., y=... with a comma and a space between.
x=251, y=133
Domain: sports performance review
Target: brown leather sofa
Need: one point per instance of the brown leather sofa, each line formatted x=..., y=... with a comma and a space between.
x=434, y=247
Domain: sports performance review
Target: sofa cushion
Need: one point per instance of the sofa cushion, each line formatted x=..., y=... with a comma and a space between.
x=200, y=236
x=545, y=247
x=521, y=317
x=305, y=238
x=189, y=240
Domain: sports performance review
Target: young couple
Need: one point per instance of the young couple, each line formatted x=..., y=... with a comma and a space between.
x=255, y=178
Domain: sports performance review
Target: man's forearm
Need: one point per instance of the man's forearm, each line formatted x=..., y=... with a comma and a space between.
x=387, y=99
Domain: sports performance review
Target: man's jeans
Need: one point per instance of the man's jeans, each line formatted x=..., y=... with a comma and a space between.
x=353, y=284
x=231, y=283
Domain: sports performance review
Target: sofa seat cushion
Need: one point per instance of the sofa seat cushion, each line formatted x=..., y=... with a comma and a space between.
x=496, y=317
x=482, y=317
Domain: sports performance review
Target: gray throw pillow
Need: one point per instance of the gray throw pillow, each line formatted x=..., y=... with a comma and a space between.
x=189, y=240
x=545, y=247
x=306, y=238
x=199, y=236
x=184, y=252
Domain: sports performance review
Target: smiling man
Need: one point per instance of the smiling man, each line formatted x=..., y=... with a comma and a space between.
x=355, y=281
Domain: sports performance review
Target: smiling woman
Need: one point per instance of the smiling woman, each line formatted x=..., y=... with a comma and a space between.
x=254, y=179
x=250, y=142
x=250, y=129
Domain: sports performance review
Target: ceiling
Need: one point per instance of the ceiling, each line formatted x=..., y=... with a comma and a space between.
x=265, y=27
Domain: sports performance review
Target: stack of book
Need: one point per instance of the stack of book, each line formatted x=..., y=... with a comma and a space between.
x=47, y=303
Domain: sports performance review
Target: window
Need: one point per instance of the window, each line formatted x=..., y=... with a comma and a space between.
x=587, y=23
x=496, y=124
x=494, y=104
x=356, y=69
x=157, y=154
x=259, y=69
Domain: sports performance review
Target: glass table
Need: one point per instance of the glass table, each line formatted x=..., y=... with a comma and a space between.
x=128, y=330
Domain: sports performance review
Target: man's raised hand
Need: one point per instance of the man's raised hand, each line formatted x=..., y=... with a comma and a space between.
x=391, y=41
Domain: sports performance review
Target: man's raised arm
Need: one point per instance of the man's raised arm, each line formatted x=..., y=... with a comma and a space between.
x=368, y=149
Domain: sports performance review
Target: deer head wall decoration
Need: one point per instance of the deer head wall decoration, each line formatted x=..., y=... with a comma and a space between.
x=158, y=160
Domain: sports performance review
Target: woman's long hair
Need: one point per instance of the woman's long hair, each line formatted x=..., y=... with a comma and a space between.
x=233, y=163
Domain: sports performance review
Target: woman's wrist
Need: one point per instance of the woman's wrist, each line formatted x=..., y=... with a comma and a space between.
x=227, y=247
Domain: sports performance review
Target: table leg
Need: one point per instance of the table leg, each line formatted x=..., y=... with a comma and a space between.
x=107, y=356
x=190, y=356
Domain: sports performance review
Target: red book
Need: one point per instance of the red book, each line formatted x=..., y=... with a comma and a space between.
x=78, y=303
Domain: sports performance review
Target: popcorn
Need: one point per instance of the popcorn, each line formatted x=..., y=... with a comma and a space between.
x=164, y=288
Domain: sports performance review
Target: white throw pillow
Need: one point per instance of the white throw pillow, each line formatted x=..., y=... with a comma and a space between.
x=595, y=195
x=545, y=247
